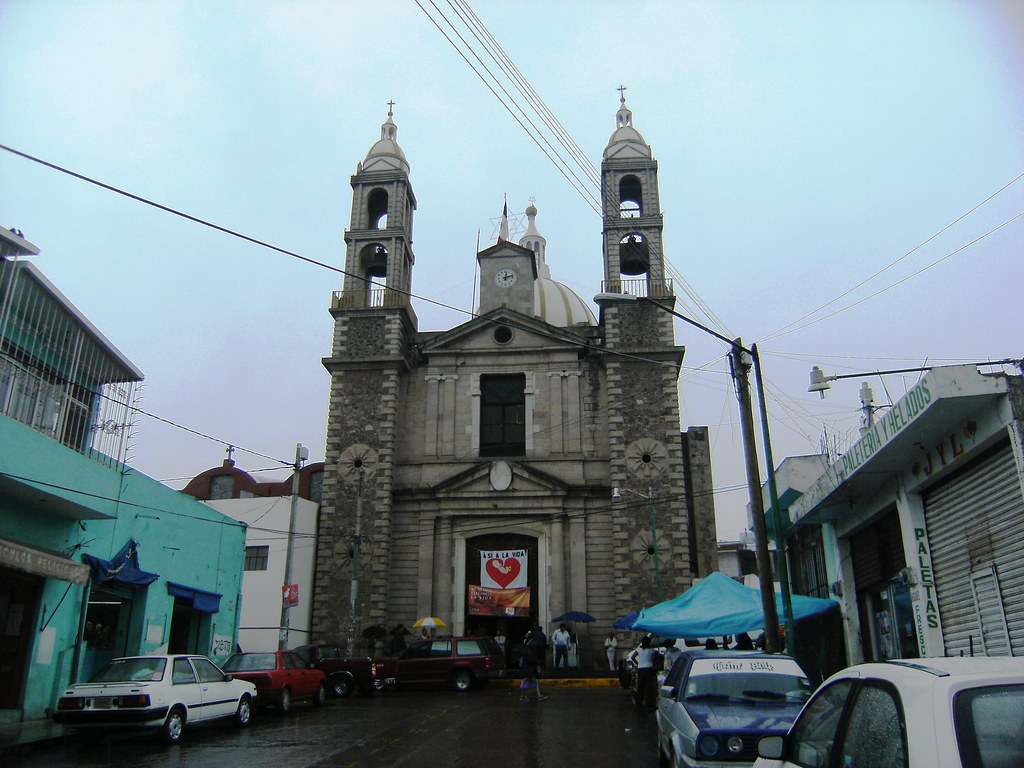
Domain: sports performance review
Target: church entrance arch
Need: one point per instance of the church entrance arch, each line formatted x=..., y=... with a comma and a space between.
x=502, y=587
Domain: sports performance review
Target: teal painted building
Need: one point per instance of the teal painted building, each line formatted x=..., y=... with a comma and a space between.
x=96, y=559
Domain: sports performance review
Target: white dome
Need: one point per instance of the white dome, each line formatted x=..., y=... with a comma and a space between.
x=558, y=305
x=386, y=155
x=626, y=141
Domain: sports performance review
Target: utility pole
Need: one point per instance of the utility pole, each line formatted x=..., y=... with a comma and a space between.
x=741, y=364
x=773, y=496
x=301, y=454
x=356, y=540
x=654, y=542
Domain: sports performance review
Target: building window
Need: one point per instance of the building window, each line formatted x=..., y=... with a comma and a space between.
x=221, y=487
x=256, y=558
x=503, y=415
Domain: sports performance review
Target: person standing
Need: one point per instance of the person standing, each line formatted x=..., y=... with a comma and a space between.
x=560, y=638
x=611, y=649
x=646, y=673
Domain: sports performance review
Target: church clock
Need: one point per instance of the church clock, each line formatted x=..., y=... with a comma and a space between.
x=505, y=277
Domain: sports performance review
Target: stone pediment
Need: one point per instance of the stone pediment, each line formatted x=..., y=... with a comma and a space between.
x=500, y=478
x=480, y=334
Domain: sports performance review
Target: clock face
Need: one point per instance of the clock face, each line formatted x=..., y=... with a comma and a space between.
x=505, y=278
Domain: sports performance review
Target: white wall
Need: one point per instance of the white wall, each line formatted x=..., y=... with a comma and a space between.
x=268, y=519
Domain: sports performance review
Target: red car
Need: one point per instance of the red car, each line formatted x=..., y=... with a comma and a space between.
x=280, y=678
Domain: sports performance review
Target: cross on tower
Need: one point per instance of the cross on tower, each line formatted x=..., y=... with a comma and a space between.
x=391, y=105
x=622, y=93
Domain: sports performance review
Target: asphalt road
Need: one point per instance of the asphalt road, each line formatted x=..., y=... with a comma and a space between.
x=585, y=727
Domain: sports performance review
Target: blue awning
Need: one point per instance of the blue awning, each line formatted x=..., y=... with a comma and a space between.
x=718, y=605
x=123, y=569
x=202, y=601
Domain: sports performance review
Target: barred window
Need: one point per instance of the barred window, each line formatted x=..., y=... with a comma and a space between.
x=256, y=558
x=503, y=415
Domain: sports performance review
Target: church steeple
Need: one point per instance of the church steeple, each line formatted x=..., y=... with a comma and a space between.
x=632, y=209
x=379, y=255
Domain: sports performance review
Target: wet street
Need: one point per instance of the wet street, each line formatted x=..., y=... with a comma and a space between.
x=592, y=727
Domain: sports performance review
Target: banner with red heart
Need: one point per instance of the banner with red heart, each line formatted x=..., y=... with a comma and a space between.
x=503, y=569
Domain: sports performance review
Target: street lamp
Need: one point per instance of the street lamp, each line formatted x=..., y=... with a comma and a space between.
x=301, y=454
x=741, y=360
x=616, y=496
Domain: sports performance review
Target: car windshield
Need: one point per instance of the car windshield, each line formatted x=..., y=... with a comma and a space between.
x=251, y=662
x=990, y=726
x=746, y=679
x=131, y=671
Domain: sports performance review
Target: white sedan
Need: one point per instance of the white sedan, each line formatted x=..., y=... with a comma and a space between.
x=915, y=713
x=159, y=692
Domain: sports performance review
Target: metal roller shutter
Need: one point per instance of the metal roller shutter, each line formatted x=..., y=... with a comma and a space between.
x=976, y=534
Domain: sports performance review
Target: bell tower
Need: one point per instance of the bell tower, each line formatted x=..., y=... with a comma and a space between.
x=632, y=210
x=645, y=445
x=379, y=255
x=373, y=347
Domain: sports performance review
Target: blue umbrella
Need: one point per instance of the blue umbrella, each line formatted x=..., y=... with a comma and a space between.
x=575, y=616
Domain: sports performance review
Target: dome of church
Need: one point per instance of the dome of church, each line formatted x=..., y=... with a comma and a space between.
x=386, y=155
x=559, y=305
x=626, y=141
x=553, y=302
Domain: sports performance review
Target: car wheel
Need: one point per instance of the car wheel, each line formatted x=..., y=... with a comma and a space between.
x=320, y=696
x=462, y=680
x=173, y=726
x=285, y=702
x=341, y=686
x=244, y=712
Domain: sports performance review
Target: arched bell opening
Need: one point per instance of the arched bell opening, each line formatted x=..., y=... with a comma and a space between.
x=634, y=255
x=630, y=197
x=374, y=268
x=377, y=209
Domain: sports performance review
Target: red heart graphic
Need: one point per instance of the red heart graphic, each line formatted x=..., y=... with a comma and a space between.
x=504, y=572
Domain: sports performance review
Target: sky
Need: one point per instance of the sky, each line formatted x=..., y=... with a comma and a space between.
x=839, y=181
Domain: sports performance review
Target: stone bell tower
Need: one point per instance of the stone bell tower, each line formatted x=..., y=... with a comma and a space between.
x=372, y=347
x=656, y=556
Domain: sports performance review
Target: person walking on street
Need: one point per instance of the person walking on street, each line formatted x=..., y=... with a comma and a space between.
x=611, y=648
x=560, y=638
x=529, y=689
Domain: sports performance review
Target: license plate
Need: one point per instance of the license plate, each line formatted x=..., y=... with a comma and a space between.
x=103, y=702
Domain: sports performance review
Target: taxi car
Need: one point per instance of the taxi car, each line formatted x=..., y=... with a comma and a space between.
x=158, y=692
x=714, y=705
x=280, y=677
x=937, y=712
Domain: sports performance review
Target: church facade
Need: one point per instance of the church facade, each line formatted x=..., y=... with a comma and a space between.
x=470, y=472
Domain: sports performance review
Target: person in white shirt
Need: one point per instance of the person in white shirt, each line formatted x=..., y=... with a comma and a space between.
x=560, y=638
x=611, y=648
x=647, y=658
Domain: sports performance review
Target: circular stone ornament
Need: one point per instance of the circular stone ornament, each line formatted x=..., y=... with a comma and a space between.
x=646, y=458
x=358, y=460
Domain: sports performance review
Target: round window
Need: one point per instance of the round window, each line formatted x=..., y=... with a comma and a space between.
x=503, y=334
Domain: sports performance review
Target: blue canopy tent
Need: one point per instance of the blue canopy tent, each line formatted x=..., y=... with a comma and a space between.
x=626, y=622
x=718, y=605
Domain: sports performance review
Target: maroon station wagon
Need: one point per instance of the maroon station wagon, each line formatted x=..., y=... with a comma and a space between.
x=462, y=662
x=280, y=677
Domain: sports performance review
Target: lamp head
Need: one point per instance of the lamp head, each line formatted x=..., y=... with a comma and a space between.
x=616, y=493
x=819, y=383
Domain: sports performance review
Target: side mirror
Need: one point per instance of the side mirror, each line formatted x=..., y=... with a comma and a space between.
x=771, y=747
x=228, y=678
x=668, y=691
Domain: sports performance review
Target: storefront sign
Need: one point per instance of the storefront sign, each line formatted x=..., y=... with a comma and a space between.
x=41, y=563
x=922, y=595
x=899, y=417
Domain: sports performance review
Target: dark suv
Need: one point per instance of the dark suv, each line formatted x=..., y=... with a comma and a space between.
x=462, y=662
